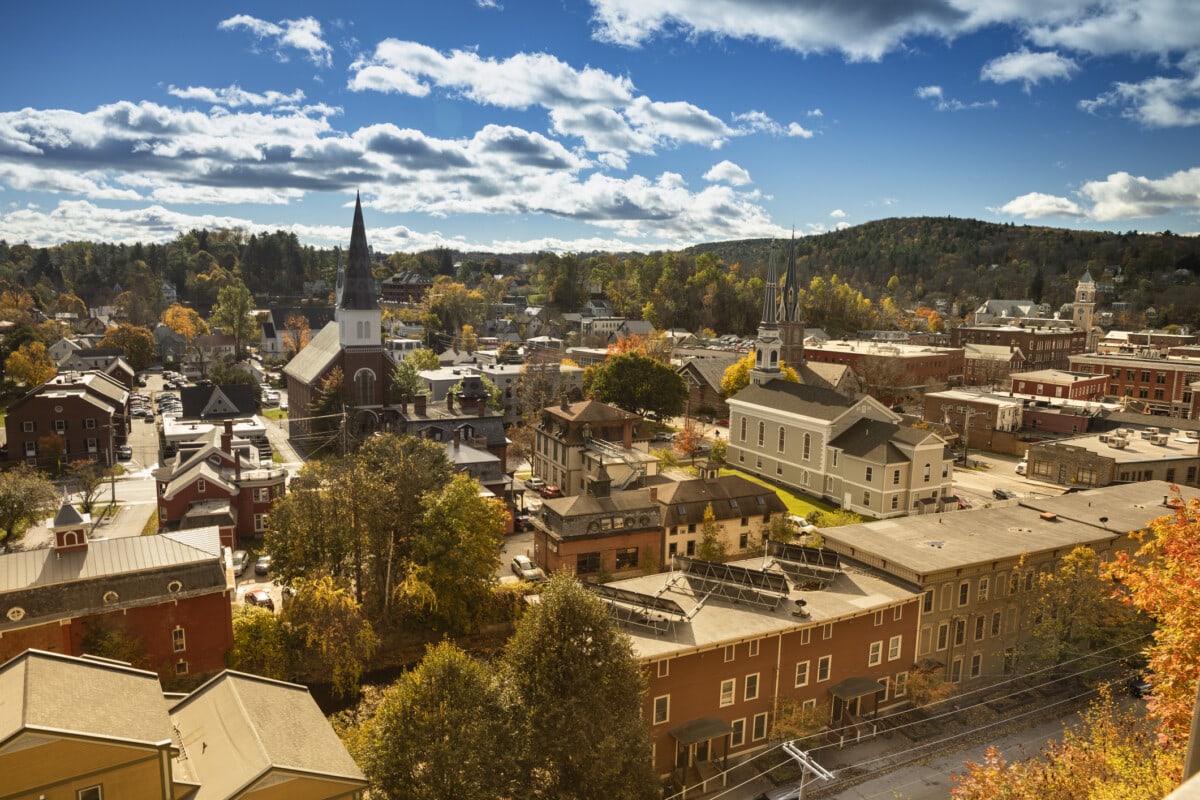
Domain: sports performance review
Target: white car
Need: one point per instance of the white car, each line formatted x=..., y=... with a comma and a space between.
x=1022, y=465
x=526, y=570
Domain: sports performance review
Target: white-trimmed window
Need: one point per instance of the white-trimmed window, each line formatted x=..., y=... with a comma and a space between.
x=662, y=709
x=824, y=668
x=91, y=445
x=878, y=618
x=743, y=429
x=262, y=494
x=762, y=433
x=737, y=737
x=801, y=673
x=27, y=426
x=806, y=636
x=875, y=654
x=178, y=640
x=782, y=438
x=870, y=473
x=752, y=647
x=730, y=652
x=897, y=613
x=976, y=665
x=827, y=630
x=664, y=668
x=60, y=426
x=261, y=521
x=728, y=691
x=808, y=446
x=30, y=449
x=809, y=703
x=201, y=486
x=751, y=688
x=884, y=684
x=964, y=593
x=985, y=586
x=760, y=727
x=90, y=793
x=943, y=636
x=894, y=645
x=181, y=668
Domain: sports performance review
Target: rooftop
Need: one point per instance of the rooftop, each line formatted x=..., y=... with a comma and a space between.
x=1138, y=447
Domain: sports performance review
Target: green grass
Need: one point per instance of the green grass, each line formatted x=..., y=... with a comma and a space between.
x=798, y=504
x=275, y=414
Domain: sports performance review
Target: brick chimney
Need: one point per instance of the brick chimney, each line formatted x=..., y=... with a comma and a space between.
x=237, y=465
x=564, y=404
x=403, y=404
x=449, y=401
x=419, y=404
x=457, y=438
x=481, y=406
x=653, y=494
x=227, y=437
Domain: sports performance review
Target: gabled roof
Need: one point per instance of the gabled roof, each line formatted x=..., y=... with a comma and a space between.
x=824, y=375
x=731, y=496
x=318, y=316
x=217, y=402
x=56, y=694
x=590, y=411
x=242, y=731
x=320, y=353
x=879, y=441
x=197, y=469
x=67, y=516
x=709, y=370
x=796, y=398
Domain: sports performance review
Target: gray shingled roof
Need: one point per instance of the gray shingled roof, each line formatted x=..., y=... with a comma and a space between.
x=797, y=398
x=321, y=351
x=696, y=494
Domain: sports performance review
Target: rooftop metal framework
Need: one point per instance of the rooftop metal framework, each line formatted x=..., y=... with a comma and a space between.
x=805, y=567
x=635, y=608
x=731, y=582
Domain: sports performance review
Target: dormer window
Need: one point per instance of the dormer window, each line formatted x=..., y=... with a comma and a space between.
x=200, y=486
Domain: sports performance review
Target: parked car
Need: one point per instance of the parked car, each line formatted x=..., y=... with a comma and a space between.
x=1139, y=684
x=963, y=502
x=240, y=557
x=526, y=570
x=263, y=565
x=536, y=484
x=550, y=492
x=523, y=522
x=124, y=452
x=261, y=598
x=1022, y=465
x=1003, y=494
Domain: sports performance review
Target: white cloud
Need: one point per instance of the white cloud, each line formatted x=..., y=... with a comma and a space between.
x=728, y=172
x=489, y=4
x=795, y=129
x=837, y=213
x=298, y=34
x=235, y=96
x=1028, y=67
x=816, y=112
x=1157, y=102
x=761, y=122
x=942, y=103
x=1036, y=205
x=1122, y=195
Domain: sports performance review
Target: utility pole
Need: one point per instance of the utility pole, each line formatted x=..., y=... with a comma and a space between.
x=805, y=762
x=966, y=411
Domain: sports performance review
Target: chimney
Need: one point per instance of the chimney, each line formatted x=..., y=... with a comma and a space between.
x=403, y=404
x=563, y=404
x=237, y=465
x=457, y=438
x=449, y=401
x=419, y=404
x=227, y=437
x=653, y=494
x=481, y=405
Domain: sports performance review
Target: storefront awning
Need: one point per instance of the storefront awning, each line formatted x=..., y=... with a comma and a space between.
x=856, y=687
x=701, y=730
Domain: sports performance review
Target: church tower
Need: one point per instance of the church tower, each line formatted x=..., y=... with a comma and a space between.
x=791, y=316
x=1083, y=311
x=766, y=347
x=358, y=315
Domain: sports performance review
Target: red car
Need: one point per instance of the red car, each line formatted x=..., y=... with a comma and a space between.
x=260, y=597
x=550, y=492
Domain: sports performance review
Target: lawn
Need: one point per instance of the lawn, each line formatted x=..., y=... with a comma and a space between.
x=275, y=414
x=798, y=504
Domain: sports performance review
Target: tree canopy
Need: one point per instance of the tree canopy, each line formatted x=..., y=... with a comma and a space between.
x=135, y=341
x=232, y=315
x=639, y=384
x=26, y=497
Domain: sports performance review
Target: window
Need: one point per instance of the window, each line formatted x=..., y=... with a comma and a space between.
x=943, y=637
x=960, y=632
x=866, y=498
x=181, y=668
x=895, y=477
x=364, y=388
x=30, y=449
x=875, y=654
x=762, y=433
x=894, y=645
x=801, y=673
x=262, y=495
x=781, y=438
x=976, y=665
x=60, y=426
x=980, y=624
x=808, y=446
x=662, y=709
x=178, y=640
x=260, y=522
x=201, y=486
x=827, y=630
x=870, y=474
x=89, y=423
x=627, y=558
x=743, y=429
x=751, y=689
x=927, y=606
x=897, y=613
x=985, y=586
x=805, y=636
x=901, y=684
x=824, y=665
x=587, y=563
x=664, y=669
x=728, y=689
x=27, y=426
x=91, y=445
x=995, y=623
x=90, y=793
x=737, y=737
x=753, y=648
x=760, y=727
x=927, y=473
x=884, y=684
x=895, y=501
x=730, y=652
x=878, y=617
x=964, y=593
x=956, y=671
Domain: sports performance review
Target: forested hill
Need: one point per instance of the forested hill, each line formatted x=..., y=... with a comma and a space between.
x=963, y=258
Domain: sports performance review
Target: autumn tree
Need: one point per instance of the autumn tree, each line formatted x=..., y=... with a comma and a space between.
x=467, y=339
x=134, y=341
x=260, y=643
x=185, y=322
x=233, y=315
x=26, y=497
x=31, y=364
x=737, y=375
x=688, y=439
x=326, y=410
x=441, y=731
x=567, y=661
x=794, y=721
x=540, y=386
x=720, y=452
x=639, y=384
x=711, y=546
x=655, y=346
x=88, y=479
x=16, y=306
x=296, y=334
x=337, y=639
x=406, y=381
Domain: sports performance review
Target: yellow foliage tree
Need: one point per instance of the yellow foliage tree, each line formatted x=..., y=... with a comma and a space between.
x=737, y=376
x=184, y=321
x=30, y=364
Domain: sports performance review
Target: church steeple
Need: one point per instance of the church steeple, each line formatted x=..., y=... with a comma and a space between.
x=358, y=315
x=791, y=316
x=766, y=347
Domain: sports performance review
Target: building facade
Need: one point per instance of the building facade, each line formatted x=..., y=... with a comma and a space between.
x=1165, y=386
x=73, y=416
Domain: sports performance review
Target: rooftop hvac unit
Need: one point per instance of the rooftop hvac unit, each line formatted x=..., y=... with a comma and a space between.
x=1192, y=434
x=1104, y=438
x=1159, y=439
x=1146, y=434
x=1152, y=430
x=1120, y=444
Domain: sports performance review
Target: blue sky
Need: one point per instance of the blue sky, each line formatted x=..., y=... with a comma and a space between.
x=610, y=124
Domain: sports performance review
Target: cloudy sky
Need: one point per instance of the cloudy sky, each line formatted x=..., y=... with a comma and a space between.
x=512, y=125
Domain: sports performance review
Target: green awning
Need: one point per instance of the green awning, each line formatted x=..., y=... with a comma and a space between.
x=701, y=730
x=856, y=687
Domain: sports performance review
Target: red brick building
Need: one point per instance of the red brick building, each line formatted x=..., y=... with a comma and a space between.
x=1056, y=384
x=1165, y=386
x=405, y=287
x=892, y=371
x=723, y=644
x=1048, y=346
x=221, y=483
x=73, y=416
x=169, y=594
